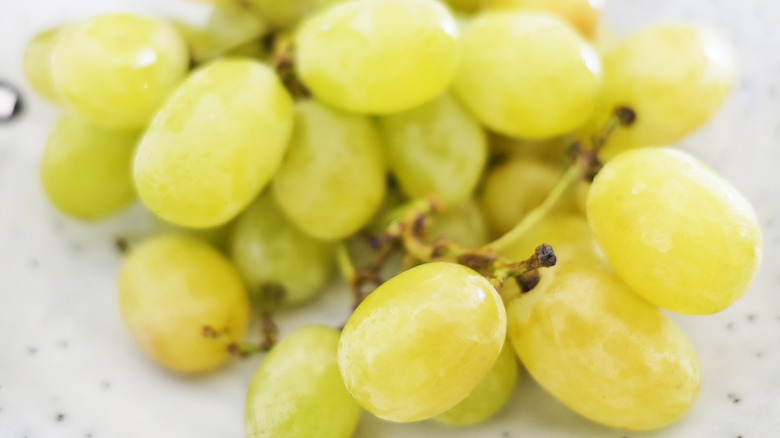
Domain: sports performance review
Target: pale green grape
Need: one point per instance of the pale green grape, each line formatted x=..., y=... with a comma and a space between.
x=298, y=393
x=37, y=62
x=117, y=69
x=526, y=74
x=422, y=341
x=215, y=144
x=602, y=351
x=582, y=15
x=286, y=13
x=464, y=224
x=436, y=149
x=332, y=179
x=378, y=56
x=675, y=77
x=170, y=287
x=676, y=232
x=489, y=396
x=85, y=169
x=465, y=6
x=269, y=249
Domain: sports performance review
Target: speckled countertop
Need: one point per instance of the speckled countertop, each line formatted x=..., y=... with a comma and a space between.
x=68, y=367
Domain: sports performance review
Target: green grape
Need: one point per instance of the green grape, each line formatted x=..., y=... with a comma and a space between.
x=215, y=144
x=675, y=77
x=526, y=74
x=602, y=351
x=286, y=13
x=422, y=341
x=489, y=396
x=117, y=69
x=170, y=287
x=465, y=6
x=332, y=179
x=269, y=249
x=582, y=15
x=676, y=232
x=464, y=224
x=37, y=62
x=436, y=149
x=298, y=393
x=378, y=56
x=85, y=169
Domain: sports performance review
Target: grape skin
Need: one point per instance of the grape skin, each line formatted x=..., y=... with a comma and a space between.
x=37, y=62
x=298, y=393
x=215, y=144
x=464, y=224
x=676, y=232
x=422, y=341
x=85, y=169
x=582, y=15
x=170, y=287
x=602, y=351
x=286, y=13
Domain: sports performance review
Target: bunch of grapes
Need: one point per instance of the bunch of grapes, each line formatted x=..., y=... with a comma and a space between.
x=498, y=170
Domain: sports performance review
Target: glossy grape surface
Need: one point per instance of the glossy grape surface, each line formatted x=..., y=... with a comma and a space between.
x=37, y=62
x=582, y=15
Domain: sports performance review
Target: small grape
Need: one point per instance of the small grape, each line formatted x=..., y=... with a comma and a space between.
x=464, y=224
x=37, y=62
x=582, y=15
x=170, y=287
x=287, y=13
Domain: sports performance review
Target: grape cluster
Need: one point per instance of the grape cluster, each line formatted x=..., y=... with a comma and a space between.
x=500, y=170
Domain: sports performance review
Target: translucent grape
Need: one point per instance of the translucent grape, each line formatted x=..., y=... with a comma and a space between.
x=268, y=249
x=170, y=287
x=298, y=393
x=582, y=15
x=467, y=6
x=215, y=144
x=464, y=224
x=37, y=62
x=676, y=232
x=377, y=56
x=286, y=13
x=332, y=179
x=489, y=396
x=526, y=74
x=117, y=69
x=436, y=149
x=85, y=169
x=602, y=351
x=674, y=77
x=422, y=341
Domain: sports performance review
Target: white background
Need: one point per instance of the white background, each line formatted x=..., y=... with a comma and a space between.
x=64, y=350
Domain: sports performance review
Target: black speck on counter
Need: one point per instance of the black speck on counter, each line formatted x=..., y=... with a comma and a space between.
x=752, y=317
x=60, y=417
x=11, y=105
x=734, y=399
x=32, y=351
x=730, y=326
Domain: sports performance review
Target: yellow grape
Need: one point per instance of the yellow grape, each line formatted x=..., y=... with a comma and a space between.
x=464, y=224
x=287, y=13
x=675, y=77
x=602, y=351
x=117, y=69
x=268, y=249
x=464, y=6
x=489, y=396
x=422, y=341
x=85, y=169
x=378, y=56
x=435, y=149
x=170, y=287
x=526, y=74
x=37, y=62
x=676, y=232
x=332, y=179
x=582, y=15
x=298, y=393
x=215, y=144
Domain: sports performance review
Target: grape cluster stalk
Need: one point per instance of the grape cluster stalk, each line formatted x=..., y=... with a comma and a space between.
x=495, y=181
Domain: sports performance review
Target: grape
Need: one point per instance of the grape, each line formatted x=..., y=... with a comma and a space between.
x=674, y=77
x=298, y=391
x=582, y=15
x=286, y=13
x=422, y=341
x=117, y=69
x=676, y=232
x=602, y=351
x=215, y=144
x=464, y=224
x=526, y=74
x=37, y=62
x=436, y=149
x=268, y=249
x=85, y=169
x=465, y=6
x=489, y=396
x=170, y=287
x=377, y=56
x=332, y=179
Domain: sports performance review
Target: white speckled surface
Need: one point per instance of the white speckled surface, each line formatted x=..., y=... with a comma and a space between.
x=68, y=367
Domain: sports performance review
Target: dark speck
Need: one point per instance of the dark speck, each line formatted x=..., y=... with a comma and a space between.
x=752, y=317
x=60, y=417
x=33, y=263
x=121, y=244
x=63, y=344
x=730, y=326
x=105, y=384
x=734, y=398
x=88, y=435
x=32, y=351
x=759, y=355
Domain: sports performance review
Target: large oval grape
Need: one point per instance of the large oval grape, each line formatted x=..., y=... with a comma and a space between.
x=215, y=144
x=603, y=351
x=676, y=232
x=298, y=393
x=170, y=287
x=582, y=15
x=422, y=341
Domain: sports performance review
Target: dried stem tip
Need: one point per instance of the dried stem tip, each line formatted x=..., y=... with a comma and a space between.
x=626, y=115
